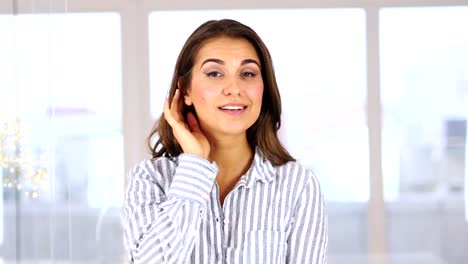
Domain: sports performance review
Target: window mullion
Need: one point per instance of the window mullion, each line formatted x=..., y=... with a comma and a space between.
x=377, y=230
x=136, y=113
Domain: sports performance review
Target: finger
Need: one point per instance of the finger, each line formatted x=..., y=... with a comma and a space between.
x=167, y=112
x=192, y=122
x=175, y=106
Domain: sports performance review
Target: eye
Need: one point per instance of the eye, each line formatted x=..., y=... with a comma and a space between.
x=214, y=74
x=248, y=74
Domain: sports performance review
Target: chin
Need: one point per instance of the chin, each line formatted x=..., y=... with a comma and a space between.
x=233, y=131
x=226, y=127
x=227, y=130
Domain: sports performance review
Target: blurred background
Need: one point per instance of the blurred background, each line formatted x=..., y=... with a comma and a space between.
x=375, y=102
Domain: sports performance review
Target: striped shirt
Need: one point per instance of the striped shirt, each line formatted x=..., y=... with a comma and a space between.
x=173, y=214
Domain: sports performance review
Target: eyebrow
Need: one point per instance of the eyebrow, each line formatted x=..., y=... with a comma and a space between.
x=218, y=61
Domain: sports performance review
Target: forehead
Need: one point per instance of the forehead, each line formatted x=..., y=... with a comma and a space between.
x=227, y=47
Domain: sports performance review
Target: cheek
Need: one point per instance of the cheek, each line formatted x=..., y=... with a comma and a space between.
x=201, y=95
x=256, y=93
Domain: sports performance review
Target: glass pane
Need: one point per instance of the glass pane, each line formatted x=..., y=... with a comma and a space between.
x=319, y=57
x=61, y=150
x=424, y=80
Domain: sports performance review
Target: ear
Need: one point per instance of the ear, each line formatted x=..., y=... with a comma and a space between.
x=187, y=97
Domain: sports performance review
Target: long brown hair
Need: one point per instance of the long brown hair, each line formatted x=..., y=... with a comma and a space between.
x=263, y=133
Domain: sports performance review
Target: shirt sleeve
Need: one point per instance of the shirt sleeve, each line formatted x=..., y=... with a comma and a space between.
x=308, y=239
x=161, y=226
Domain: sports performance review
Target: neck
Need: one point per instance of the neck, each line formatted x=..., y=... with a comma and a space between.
x=228, y=153
x=233, y=157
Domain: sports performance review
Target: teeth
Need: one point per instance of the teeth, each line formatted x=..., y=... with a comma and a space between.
x=232, y=107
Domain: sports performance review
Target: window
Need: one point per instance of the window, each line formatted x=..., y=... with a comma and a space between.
x=424, y=83
x=319, y=59
x=424, y=54
x=60, y=80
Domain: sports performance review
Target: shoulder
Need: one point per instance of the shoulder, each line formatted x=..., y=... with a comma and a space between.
x=300, y=178
x=295, y=170
x=292, y=172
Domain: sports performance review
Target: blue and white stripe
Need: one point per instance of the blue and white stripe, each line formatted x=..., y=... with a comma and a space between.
x=273, y=215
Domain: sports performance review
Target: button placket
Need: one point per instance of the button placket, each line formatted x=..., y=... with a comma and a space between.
x=226, y=216
x=217, y=213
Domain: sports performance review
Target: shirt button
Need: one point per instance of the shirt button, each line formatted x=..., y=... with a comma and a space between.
x=226, y=221
x=217, y=219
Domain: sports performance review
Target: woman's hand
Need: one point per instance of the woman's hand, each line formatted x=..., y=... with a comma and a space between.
x=189, y=135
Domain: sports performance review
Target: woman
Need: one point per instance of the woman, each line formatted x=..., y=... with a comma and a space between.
x=220, y=187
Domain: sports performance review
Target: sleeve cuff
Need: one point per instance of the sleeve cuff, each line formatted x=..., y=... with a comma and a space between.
x=193, y=179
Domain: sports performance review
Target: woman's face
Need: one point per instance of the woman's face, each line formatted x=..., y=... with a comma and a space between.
x=227, y=86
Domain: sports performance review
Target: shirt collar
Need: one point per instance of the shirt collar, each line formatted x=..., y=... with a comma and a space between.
x=261, y=169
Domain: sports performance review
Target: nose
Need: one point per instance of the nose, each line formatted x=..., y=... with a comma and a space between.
x=232, y=88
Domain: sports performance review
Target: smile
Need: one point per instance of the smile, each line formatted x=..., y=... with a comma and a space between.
x=232, y=108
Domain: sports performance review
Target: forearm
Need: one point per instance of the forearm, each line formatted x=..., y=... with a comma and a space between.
x=162, y=228
x=170, y=237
